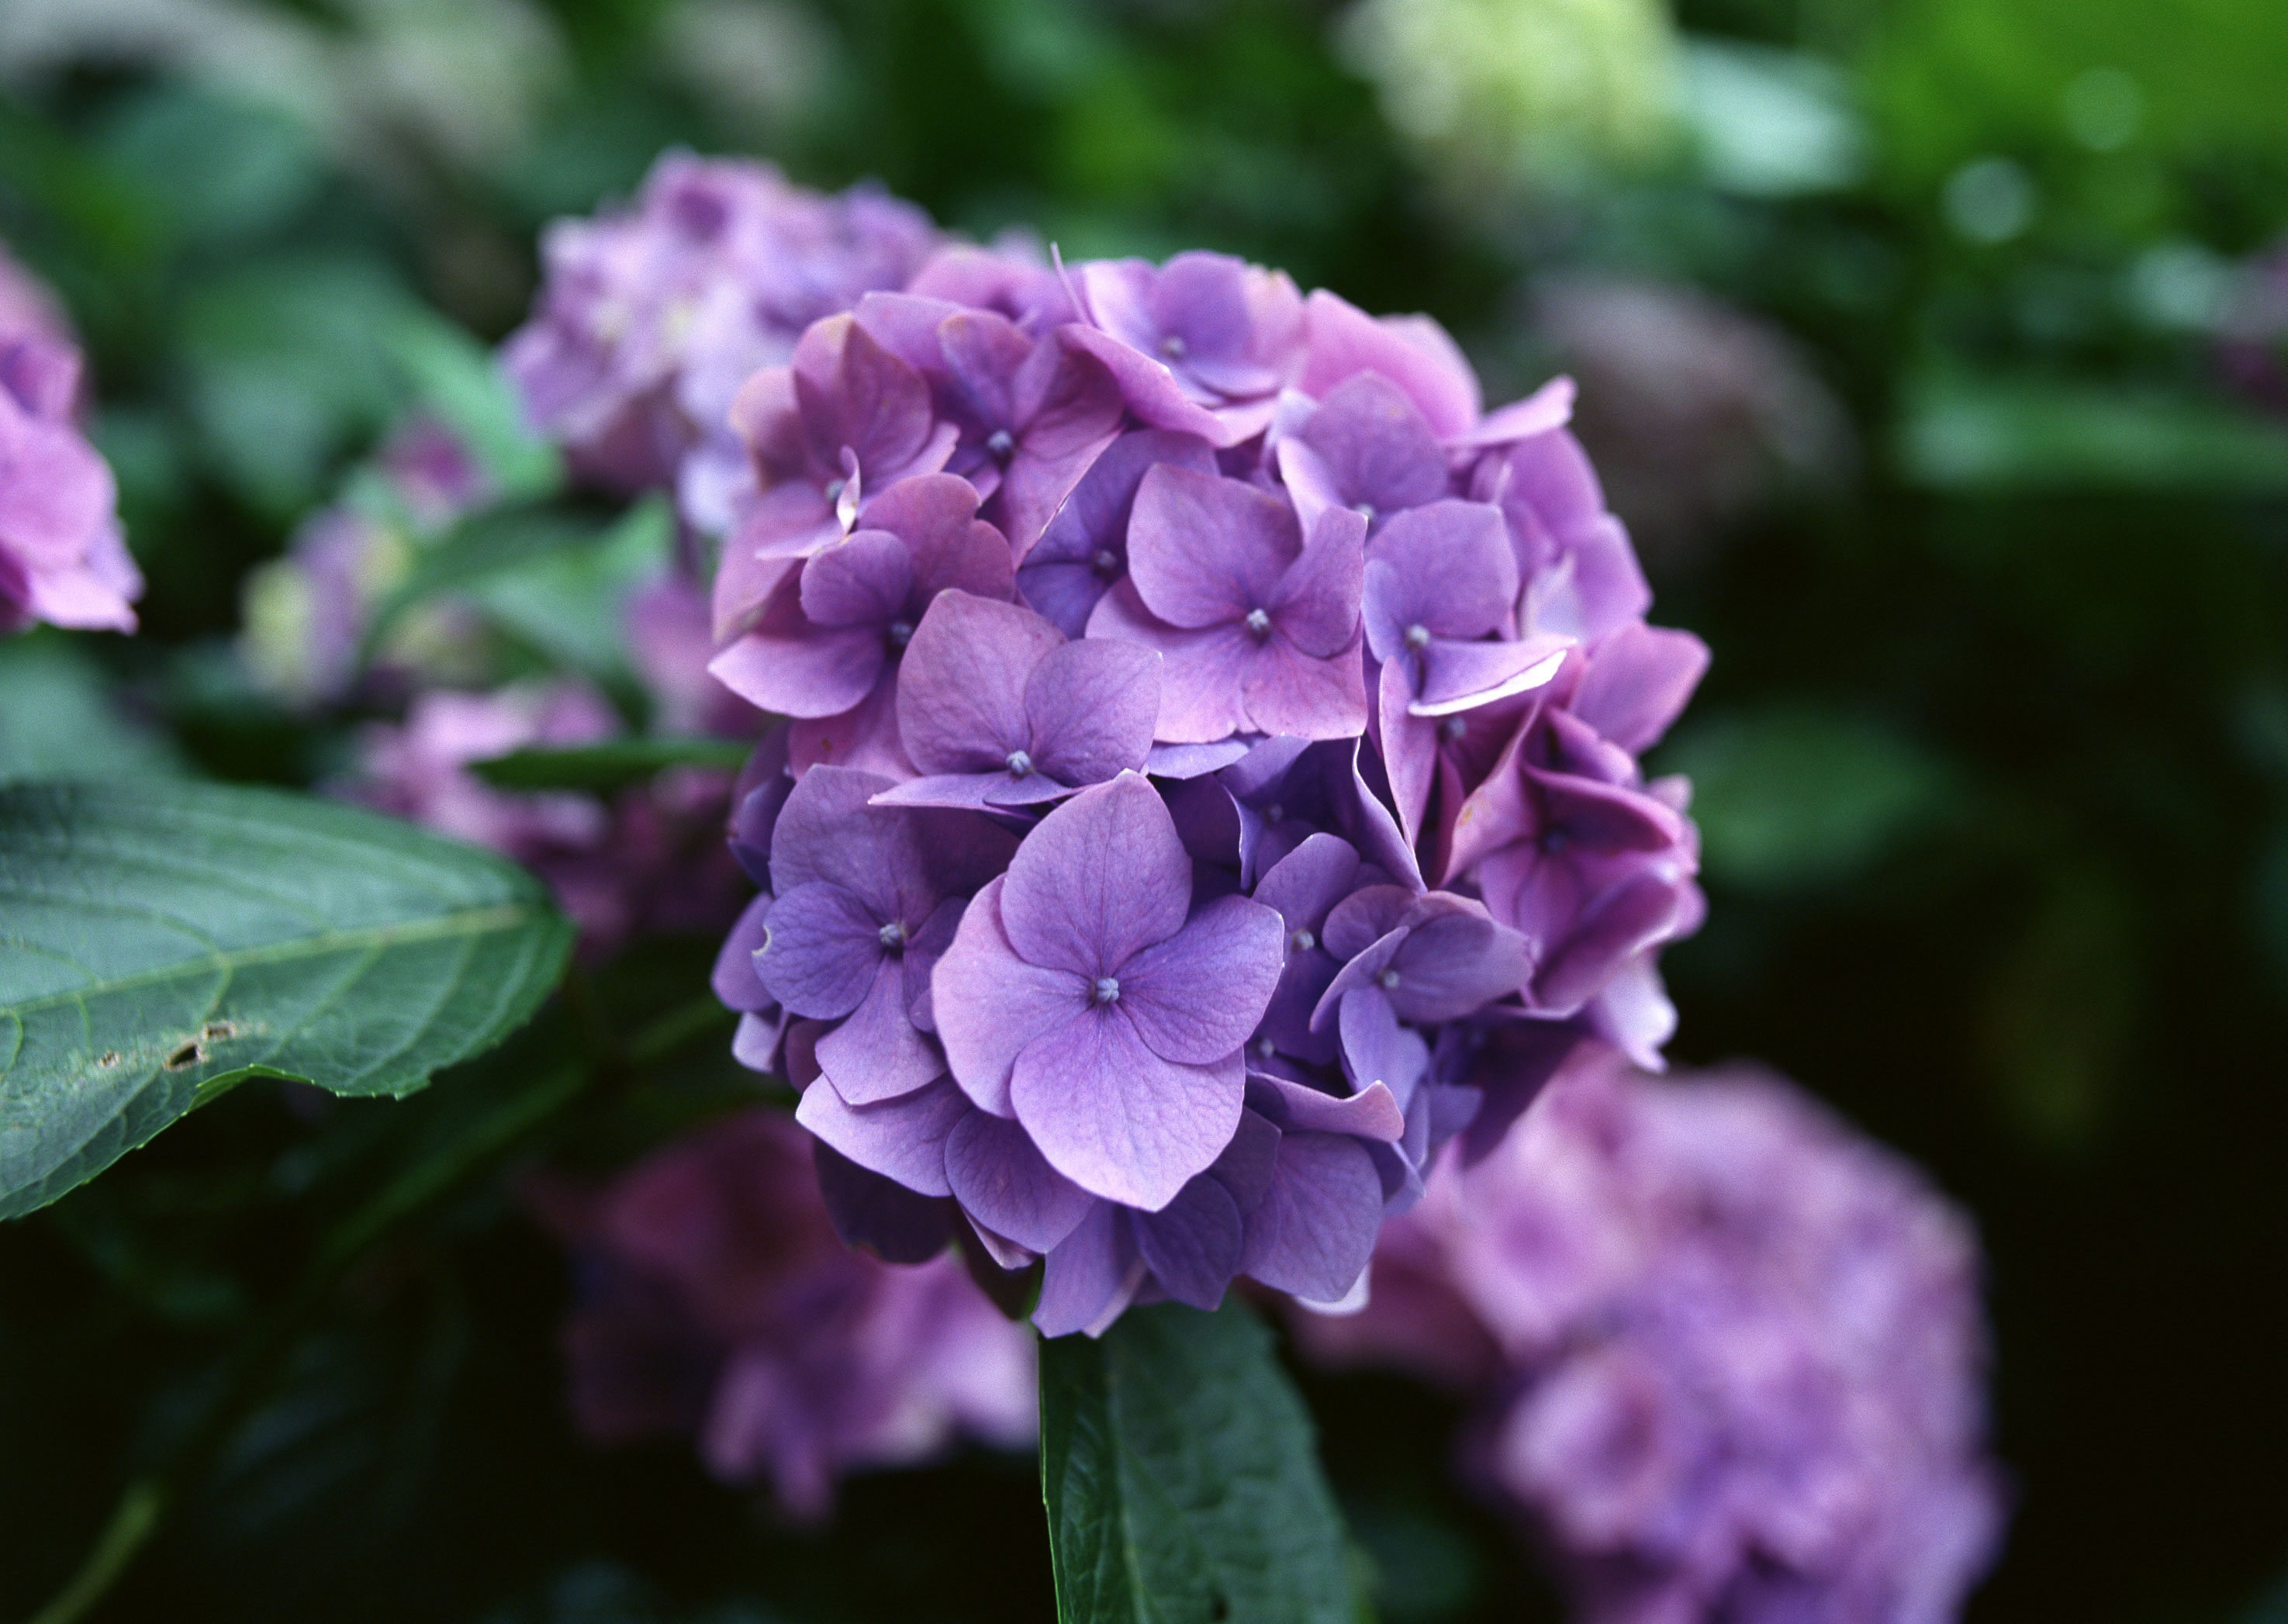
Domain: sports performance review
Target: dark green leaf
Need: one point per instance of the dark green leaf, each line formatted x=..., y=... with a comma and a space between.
x=602, y=767
x=164, y=941
x=1182, y=1479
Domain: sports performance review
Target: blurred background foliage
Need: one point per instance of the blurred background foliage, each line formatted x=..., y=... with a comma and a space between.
x=1914, y=344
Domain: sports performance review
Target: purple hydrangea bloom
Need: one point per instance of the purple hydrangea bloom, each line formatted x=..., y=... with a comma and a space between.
x=62, y=556
x=650, y=318
x=1730, y=1353
x=650, y=860
x=716, y=1301
x=1306, y=696
x=1088, y=999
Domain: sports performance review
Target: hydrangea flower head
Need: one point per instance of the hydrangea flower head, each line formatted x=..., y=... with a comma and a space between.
x=651, y=317
x=1275, y=710
x=1730, y=1355
x=716, y=1301
x=62, y=557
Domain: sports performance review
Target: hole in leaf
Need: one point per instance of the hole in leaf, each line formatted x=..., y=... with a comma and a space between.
x=189, y=1054
x=1218, y=1608
x=109, y=1059
x=216, y=1031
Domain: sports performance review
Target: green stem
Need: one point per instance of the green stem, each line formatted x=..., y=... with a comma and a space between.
x=254, y=1366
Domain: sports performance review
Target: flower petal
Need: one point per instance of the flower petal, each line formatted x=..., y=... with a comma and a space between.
x=1090, y=1276
x=989, y=1003
x=1001, y=1180
x=1316, y=1229
x=819, y=949
x=1091, y=706
x=1204, y=550
x=1192, y=1246
x=901, y=1138
x=961, y=686
x=1195, y=997
x=1102, y=876
x=1117, y=1119
x=875, y=1054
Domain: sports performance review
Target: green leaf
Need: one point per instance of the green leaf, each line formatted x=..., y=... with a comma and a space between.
x=1988, y=435
x=495, y=543
x=1795, y=797
x=164, y=942
x=1182, y=1477
x=602, y=767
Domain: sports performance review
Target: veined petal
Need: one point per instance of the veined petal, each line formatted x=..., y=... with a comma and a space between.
x=1117, y=1119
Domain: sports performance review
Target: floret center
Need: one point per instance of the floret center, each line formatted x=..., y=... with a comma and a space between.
x=1020, y=765
x=1107, y=990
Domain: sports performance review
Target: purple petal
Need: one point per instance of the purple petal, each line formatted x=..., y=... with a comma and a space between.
x=1636, y=681
x=1091, y=707
x=895, y=1223
x=1621, y=923
x=863, y=738
x=1458, y=677
x=1413, y=353
x=1453, y=964
x=1377, y=445
x=1195, y=997
x=1246, y=1165
x=1377, y=1050
x=1192, y=1246
x=1102, y=876
x=734, y=980
x=1152, y=392
x=1001, y=1182
x=1204, y=550
x=1371, y=1114
x=1308, y=881
x=1096, y=515
x=820, y=947
x=902, y=1139
x=989, y=1003
x=1450, y=569
x=1315, y=604
x=1202, y=673
x=1091, y=1276
x=1316, y=1227
x=1117, y=1120
x=876, y=1054
x=1549, y=406
x=809, y=673
x=961, y=686
x=863, y=580
x=962, y=791
x=1289, y=691
x=903, y=863
x=1189, y=761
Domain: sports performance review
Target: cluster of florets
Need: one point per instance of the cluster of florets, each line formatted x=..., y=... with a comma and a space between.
x=714, y=1300
x=1211, y=775
x=62, y=557
x=1730, y=1353
x=2252, y=334
x=650, y=318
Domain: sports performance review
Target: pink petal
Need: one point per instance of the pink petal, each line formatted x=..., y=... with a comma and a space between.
x=1288, y=691
x=1315, y=604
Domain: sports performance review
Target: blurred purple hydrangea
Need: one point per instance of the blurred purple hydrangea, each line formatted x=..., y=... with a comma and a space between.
x=308, y=614
x=714, y=1300
x=650, y=318
x=1730, y=1355
x=650, y=858
x=63, y=559
x=1212, y=783
x=2251, y=344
